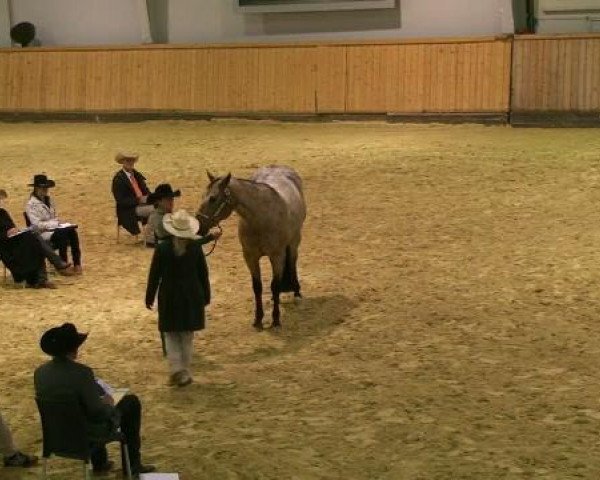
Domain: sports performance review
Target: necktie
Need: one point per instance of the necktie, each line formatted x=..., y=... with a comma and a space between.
x=136, y=187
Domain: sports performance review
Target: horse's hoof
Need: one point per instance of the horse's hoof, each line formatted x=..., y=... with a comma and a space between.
x=297, y=295
x=275, y=326
x=258, y=327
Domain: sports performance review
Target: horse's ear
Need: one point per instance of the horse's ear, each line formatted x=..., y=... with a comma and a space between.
x=211, y=177
x=225, y=181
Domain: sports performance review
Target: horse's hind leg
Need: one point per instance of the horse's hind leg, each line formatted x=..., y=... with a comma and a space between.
x=254, y=266
x=277, y=263
x=293, y=261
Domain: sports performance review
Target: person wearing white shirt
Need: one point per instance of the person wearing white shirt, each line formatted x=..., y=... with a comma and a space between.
x=41, y=213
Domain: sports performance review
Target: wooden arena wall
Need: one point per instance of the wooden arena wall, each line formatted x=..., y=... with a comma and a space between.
x=470, y=75
x=556, y=73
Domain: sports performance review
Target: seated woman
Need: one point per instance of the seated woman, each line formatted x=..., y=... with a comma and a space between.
x=25, y=252
x=41, y=212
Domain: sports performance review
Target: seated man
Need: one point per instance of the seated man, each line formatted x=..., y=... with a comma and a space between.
x=163, y=199
x=25, y=253
x=63, y=376
x=131, y=194
x=12, y=457
x=41, y=212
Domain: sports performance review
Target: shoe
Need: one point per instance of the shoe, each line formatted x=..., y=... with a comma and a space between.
x=184, y=380
x=174, y=379
x=20, y=459
x=49, y=285
x=66, y=271
x=142, y=469
x=104, y=469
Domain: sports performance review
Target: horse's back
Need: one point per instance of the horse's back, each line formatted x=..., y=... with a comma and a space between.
x=288, y=184
x=278, y=176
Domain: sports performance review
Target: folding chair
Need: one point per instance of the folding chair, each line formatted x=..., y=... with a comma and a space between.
x=65, y=434
x=137, y=237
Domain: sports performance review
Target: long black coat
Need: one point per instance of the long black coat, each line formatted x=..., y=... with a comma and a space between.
x=182, y=284
x=22, y=254
x=126, y=199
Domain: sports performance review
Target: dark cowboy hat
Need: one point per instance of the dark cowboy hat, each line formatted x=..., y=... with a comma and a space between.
x=42, y=181
x=164, y=190
x=61, y=340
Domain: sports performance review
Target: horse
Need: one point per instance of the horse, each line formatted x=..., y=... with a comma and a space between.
x=272, y=211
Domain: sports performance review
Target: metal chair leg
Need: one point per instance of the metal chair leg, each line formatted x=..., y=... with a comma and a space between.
x=163, y=344
x=125, y=453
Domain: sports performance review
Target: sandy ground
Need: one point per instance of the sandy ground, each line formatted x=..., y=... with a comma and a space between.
x=448, y=329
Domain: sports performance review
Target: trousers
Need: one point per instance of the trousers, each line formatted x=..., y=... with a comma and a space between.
x=64, y=238
x=7, y=447
x=130, y=411
x=180, y=346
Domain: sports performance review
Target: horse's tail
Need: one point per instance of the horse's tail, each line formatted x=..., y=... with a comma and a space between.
x=289, y=279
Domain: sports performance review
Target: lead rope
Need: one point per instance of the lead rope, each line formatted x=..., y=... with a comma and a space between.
x=215, y=243
x=218, y=225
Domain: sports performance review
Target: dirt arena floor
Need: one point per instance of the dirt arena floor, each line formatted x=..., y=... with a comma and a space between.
x=449, y=328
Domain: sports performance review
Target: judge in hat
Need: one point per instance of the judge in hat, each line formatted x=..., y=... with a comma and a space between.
x=24, y=252
x=131, y=196
x=163, y=199
x=41, y=214
x=63, y=376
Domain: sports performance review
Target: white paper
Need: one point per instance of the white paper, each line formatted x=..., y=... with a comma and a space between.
x=159, y=476
x=19, y=232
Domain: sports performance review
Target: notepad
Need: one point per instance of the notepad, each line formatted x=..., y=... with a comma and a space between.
x=159, y=476
x=19, y=232
x=66, y=225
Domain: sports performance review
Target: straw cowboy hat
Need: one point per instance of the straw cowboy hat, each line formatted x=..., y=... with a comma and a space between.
x=42, y=181
x=123, y=157
x=61, y=340
x=181, y=224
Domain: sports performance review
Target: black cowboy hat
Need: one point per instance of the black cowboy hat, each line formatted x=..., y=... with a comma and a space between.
x=164, y=190
x=42, y=181
x=61, y=340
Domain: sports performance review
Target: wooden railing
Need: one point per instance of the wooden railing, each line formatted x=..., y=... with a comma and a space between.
x=436, y=75
x=556, y=73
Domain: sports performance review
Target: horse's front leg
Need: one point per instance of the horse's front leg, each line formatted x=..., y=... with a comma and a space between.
x=254, y=266
x=277, y=262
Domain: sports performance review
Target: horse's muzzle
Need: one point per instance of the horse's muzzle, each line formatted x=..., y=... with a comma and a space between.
x=203, y=221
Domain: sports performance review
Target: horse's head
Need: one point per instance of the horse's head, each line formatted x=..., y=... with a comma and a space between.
x=216, y=204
